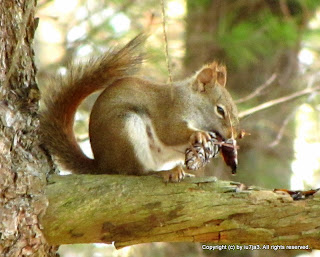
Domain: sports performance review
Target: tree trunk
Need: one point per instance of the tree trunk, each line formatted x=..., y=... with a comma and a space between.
x=23, y=164
x=132, y=210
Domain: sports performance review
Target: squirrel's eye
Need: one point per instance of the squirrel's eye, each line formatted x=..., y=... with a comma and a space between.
x=220, y=111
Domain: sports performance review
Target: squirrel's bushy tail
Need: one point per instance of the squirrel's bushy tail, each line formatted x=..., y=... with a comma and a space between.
x=64, y=96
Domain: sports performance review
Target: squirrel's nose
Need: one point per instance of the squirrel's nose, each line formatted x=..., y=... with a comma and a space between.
x=233, y=132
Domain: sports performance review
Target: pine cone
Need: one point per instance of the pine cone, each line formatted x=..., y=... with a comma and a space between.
x=198, y=155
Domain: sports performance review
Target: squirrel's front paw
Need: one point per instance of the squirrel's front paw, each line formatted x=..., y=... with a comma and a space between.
x=202, y=149
x=174, y=175
x=200, y=137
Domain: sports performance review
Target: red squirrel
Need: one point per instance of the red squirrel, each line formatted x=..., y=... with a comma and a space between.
x=136, y=127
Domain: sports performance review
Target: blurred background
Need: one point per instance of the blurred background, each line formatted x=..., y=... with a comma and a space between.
x=271, y=49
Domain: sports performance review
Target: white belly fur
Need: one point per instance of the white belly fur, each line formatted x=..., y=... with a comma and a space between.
x=150, y=151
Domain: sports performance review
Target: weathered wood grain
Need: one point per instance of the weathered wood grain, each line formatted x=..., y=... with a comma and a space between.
x=132, y=210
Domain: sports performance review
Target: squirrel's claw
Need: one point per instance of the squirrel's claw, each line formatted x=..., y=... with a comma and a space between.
x=176, y=174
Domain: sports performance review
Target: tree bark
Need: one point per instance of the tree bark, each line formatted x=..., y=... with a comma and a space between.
x=132, y=210
x=23, y=164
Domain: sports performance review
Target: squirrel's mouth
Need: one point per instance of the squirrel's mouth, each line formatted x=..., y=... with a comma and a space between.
x=217, y=136
x=229, y=151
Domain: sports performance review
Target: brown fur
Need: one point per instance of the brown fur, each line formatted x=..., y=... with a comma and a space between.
x=65, y=95
x=135, y=125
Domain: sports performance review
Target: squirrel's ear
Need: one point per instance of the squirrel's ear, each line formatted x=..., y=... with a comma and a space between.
x=210, y=75
x=221, y=72
x=203, y=78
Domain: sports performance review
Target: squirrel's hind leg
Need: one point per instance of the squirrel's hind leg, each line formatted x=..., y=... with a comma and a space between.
x=131, y=146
